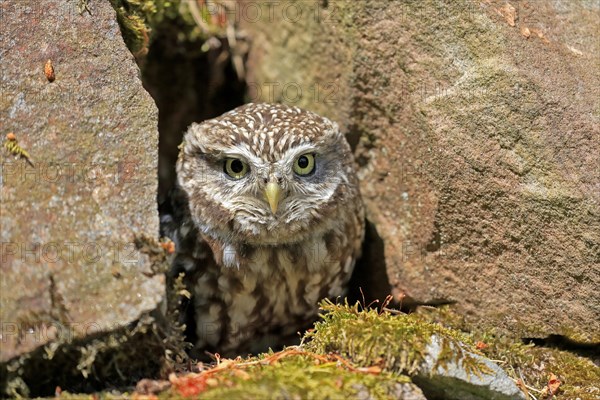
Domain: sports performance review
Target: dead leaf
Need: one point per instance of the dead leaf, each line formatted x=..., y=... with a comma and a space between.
x=374, y=370
x=525, y=32
x=212, y=382
x=551, y=387
x=137, y=396
x=481, y=345
x=553, y=384
x=190, y=385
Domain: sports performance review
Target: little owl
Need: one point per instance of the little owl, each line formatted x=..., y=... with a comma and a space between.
x=267, y=221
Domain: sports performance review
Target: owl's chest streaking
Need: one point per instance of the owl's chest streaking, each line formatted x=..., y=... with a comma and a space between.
x=249, y=297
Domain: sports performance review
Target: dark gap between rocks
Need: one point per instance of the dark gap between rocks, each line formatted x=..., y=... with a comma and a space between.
x=560, y=342
x=108, y=364
x=189, y=85
x=370, y=281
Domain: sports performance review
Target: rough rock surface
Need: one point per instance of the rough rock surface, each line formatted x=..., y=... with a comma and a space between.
x=453, y=381
x=70, y=270
x=476, y=128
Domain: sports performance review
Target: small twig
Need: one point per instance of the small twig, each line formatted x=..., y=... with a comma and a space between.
x=364, y=302
x=392, y=311
x=388, y=299
x=236, y=58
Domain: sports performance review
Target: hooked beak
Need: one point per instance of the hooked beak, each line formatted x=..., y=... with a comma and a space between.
x=273, y=194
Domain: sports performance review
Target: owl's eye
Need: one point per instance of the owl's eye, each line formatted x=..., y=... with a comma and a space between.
x=235, y=168
x=305, y=164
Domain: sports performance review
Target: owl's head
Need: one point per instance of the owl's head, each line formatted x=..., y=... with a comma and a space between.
x=265, y=174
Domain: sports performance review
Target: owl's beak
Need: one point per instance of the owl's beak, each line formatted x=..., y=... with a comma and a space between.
x=273, y=194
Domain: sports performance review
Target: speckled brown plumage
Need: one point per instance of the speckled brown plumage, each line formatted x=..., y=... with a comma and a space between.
x=257, y=267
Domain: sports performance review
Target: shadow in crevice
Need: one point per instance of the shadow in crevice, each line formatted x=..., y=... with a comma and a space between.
x=370, y=277
x=560, y=342
x=370, y=282
x=188, y=85
x=410, y=304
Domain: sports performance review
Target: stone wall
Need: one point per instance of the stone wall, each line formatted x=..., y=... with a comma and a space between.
x=476, y=129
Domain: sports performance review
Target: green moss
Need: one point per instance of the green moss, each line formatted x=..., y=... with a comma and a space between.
x=297, y=377
x=134, y=19
x=397, y=342
x=533, y=365
x=352, y=352
x=373, y=352
x=142, y=20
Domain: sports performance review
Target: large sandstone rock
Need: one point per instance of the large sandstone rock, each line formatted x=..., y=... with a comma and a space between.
x=476, y=130
x=73, y=283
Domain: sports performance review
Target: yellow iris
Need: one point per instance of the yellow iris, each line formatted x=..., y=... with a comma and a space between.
x=236, y=168
x=305, y=164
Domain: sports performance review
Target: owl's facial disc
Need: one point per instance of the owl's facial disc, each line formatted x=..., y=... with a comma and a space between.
x=269, y=175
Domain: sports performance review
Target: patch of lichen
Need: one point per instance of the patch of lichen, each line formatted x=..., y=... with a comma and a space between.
x=397, y=342
x=295, y=377
x=142, y=20
x=527, y=363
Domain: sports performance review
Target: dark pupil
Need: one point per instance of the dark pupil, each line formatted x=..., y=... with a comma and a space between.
x=303, y=162
x=237, y=166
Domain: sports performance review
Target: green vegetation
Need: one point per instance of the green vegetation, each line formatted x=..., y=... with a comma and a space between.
x=186, y=20
x=291, y=374
x=397, y=342
x=351, y=351
x=355, y=352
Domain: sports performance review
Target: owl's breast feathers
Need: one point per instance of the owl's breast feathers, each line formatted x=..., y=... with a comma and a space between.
x=249, y=297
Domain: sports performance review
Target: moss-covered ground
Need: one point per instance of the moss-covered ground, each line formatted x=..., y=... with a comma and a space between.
x=355, y=352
